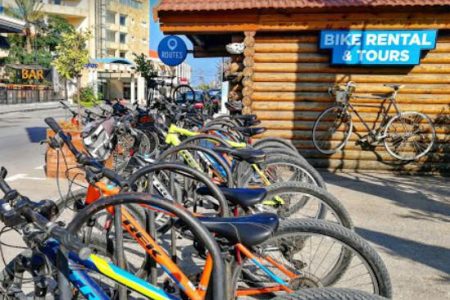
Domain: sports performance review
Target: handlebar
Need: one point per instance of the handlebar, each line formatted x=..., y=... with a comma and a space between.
x=82, y=158
x=21, y=211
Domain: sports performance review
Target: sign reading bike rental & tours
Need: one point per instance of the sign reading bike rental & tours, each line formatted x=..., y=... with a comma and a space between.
x=377, y=47
x=172, y=50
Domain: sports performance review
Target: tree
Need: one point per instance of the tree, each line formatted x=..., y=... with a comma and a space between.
x=71, y=57
x=45, y=43
x=30, y=11
x=145, y=67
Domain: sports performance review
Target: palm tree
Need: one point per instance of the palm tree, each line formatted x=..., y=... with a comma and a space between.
x=30, y=11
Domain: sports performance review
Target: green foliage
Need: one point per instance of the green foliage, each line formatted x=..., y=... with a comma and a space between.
x=44, y=44
x=29, y=11
x=88, y=97
x=71, y=54
x=205, y=86
x=145, y=67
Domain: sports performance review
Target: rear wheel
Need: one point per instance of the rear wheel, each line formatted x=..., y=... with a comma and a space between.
x=409, y=136
x=332, y=129
x=322, y=255
x=303, y=200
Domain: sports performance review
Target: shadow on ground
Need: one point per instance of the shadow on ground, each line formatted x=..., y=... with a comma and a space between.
x=433, y=256
x=427, y=197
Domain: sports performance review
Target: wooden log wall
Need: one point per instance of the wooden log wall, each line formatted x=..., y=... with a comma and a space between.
x=287, y=78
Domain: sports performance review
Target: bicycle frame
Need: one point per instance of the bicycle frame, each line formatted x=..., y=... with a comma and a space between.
x=384, y=111
x=80, y=278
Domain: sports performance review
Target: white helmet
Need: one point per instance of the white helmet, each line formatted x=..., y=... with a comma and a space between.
x=235, y=48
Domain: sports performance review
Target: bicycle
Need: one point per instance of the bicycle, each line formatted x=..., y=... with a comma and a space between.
x=52, y=244
x=157, y=91
x=407, y=136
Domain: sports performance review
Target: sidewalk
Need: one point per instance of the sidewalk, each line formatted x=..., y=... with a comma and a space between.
x=13, y=108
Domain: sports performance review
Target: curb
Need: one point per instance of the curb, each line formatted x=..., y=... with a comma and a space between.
x=35, y=107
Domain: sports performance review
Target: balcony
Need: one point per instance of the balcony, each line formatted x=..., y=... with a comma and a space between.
x=67, y=8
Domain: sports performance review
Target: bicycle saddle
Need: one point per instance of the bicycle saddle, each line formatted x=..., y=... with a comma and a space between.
x=252, y=156
x=248, y=230
x=242, y=197
x=395, y=87
x=249, y=132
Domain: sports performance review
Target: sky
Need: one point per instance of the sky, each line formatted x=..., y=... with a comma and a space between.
x=201, y=67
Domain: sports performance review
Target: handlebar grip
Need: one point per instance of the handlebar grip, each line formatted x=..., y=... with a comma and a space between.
x=53, y=125
x=72, y=243
x=3, y=185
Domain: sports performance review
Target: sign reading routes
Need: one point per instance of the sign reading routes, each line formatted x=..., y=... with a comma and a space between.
x=172, y=50
x=377, y=47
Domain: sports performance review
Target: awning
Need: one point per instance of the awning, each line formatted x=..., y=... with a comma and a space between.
x=112, y=60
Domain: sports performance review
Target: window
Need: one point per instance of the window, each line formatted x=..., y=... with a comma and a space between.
x=132, y=3
x=111, y=52
x=123, y=20
x=123, y=38
x=123, y=54
x=110, y=36
x=110, y=17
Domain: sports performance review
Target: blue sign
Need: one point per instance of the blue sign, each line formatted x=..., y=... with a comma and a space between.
x=377, y=47
x=172, y=50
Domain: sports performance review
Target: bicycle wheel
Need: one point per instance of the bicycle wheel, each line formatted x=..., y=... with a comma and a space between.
x=303, y=200
x=332, y=129
x=329, y=294
x=322, y=254
x=280, y=142
x=409, y=136
x=282, y=168
x=180, y=93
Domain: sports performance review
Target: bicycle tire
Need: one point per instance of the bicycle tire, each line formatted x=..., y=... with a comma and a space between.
x=403, y=115
x=179, y=88
x=329, y=294
x=317, y=125
x=312, y=175
x=351, y=240
x=274, y=140
x=330, y=203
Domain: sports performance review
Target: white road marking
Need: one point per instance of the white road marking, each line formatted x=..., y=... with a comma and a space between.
x=23, y=177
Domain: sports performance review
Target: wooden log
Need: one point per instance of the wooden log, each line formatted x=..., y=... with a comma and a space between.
x=345, y=77
x=320, y=106
x=307, y=135
x=247, y=110
x=324, y=57
x=291, y=58
x=249, y=52
x=312, y=116
x=287, y=48
x=249, y=61
x=286, y=38
x=235, y=68
x=247, y=91
x=355, y=165
x=358, y=97
x=308, y=125
x=247, y=101
x=249, y=41
x=360, y=88
x=326, y=68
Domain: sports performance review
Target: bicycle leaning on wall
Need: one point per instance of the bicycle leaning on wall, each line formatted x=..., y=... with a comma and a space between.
x=406, y=136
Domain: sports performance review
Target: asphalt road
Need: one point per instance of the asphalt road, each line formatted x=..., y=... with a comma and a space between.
x=22, y=154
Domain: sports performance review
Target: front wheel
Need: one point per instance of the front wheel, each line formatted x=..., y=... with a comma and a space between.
x=322, y=255
x=329, y=294
x=332, y=129
x=409, y=136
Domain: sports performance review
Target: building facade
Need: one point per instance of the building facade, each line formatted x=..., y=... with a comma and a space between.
x=119, y=28
x=286, y=73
